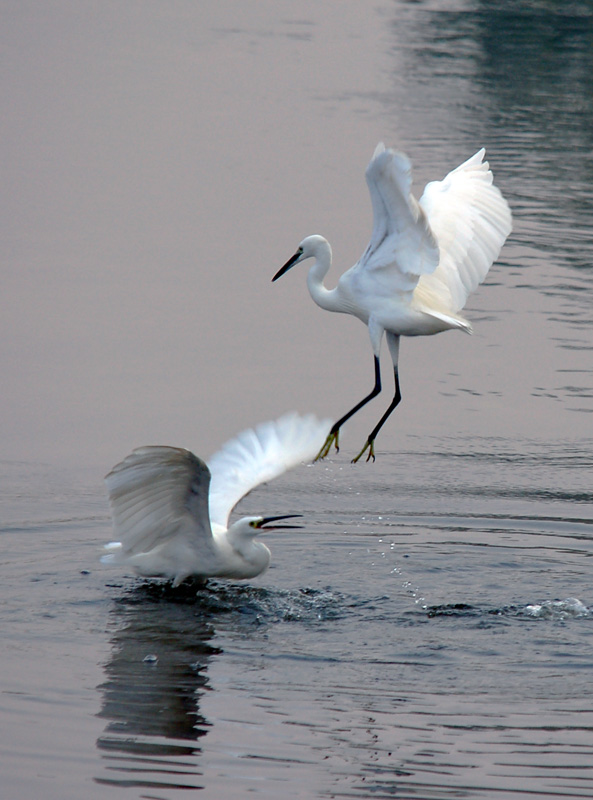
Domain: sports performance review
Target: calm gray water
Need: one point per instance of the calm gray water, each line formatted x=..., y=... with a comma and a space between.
x=428, y=634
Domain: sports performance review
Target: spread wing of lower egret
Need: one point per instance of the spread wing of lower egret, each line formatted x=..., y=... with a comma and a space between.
x=171, y=510
x=258, y=455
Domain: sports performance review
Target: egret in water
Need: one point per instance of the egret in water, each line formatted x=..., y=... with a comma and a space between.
x=424, y=259
x=171, y=510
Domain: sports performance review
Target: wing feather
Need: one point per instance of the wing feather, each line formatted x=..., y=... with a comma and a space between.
x=258, y=455
x=470, y=220
x=155, y=494
x=401, y=240
x=441, y=247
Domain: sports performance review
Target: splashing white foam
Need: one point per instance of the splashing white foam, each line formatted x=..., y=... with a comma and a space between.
x=571, y=607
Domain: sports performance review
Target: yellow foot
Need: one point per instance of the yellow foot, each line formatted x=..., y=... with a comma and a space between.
x=370, y=446
x=332, y=438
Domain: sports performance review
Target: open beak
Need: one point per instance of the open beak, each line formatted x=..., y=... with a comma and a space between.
x=266, y=520
x=290, y=263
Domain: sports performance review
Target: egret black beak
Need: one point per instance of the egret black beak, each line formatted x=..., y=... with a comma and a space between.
x=290, y=263
x=267, y=520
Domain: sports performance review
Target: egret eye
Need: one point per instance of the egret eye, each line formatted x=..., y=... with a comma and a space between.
x=254, y=523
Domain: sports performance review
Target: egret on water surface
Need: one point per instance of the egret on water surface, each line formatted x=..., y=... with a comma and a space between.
x=423, y=260
x=171, y=510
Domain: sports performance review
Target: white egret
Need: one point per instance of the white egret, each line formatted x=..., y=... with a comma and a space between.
x=423, y=260
x=171, y=510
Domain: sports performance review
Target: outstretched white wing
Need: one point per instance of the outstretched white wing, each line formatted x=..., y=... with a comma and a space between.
x=441, y=246
x=258, y=455
x=157, y=494
x=470, y=220
x=402, y=243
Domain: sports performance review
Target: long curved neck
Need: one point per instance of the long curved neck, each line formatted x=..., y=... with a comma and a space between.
x=326, y=298
x=253, y=553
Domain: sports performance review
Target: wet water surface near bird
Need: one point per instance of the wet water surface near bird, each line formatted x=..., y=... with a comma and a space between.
x=429, y=642
x=429, y=631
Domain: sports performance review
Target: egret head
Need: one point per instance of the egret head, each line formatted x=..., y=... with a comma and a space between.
x=249, y=556
x=249, y=527
x=310, y=247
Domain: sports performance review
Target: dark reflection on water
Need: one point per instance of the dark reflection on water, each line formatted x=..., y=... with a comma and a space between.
x=537, y=61
x=528, y=69
x=517, y=77
x=151, y=697
x=157, y=674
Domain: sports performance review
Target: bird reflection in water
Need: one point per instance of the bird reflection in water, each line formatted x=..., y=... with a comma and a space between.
x=155, y=679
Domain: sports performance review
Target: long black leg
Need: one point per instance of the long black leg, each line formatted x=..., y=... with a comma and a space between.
x=369, y=444
x=376, y=389
x=396, y=398
x=332, y=437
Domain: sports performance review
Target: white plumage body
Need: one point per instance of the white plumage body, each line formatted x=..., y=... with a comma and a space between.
x=423, y=260
x=171, y=510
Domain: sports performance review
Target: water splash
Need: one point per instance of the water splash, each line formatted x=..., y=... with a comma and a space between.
x=257, y=605
x=558, y=609
x=548, y=609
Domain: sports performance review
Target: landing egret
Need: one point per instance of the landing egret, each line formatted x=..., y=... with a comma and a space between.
x=172, y=510
x=423, y=260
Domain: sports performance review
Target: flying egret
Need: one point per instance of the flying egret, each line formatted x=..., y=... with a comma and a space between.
x=423, y=260
x=171, y=510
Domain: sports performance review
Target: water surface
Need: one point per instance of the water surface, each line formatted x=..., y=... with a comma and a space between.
x=428, y=633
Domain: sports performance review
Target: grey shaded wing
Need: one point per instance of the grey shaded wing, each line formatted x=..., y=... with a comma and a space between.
x=155, y=494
